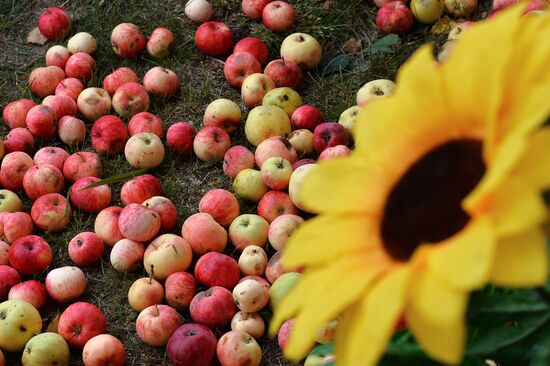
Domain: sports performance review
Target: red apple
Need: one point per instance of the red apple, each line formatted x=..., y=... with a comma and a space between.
x=64, y=284
x=130, y=99
x=30, y=255
x=238, y=348
x=254, y=46
x=274, y=146
x=85, y=248
x=118, y=77
x=329, y=134
x=44, y=80
x=81, y=164
x=50, y=212
x=281, y=228
x=236, y=159
x=274, y=204
x=238, y=66
x=213, y=307
x=394, y=17
x=91, y=200
x=8, y=277
x=139, y=223
x=214, y=38
x=51, y=155
x=104, y=349
x=57, y=56
x=180, y=290
x=54, y=23
x=254, y=8
x=127, y=255
x=13, y=169
x=127, y=40
x=333, y=152
x=145, y=292
x=211, y=143
x=306, y=117
x=109, y=135
x=15, y=113
x=221, y=204
x=80, y=322
x=278, y=16
x=42, y=179
x=93, y=103
x=160, y=42
x=19, y=139
x=14, y=225
x=80, y=66
x=285, y=73
x=284, y=333
x=30, y=291
x=145, y=122
x=4, y=253
x=71, y=130
x=204, y=234
x=70, y=87
x=62, y=105
x=191, y=345
x=106, y=225
x=167, y=211
x=156, y=324
x=217, y=269
x=179, y=138
x=161, y=81
x=41, y=121
x=139, y=189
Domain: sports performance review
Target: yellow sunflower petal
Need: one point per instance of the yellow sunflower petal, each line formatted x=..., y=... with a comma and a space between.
x=326, y=237
x=521, y=260
x=465, y=259
x=516, y=207
x=435, y=315
x=377, y=314
x=534, y=166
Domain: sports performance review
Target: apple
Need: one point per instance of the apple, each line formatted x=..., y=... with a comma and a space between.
x=30, y=291
x=4, y=255
x=46, y=349
x=306, y=117
x=14, y=225
x=93, y=103
x=127, y=255
x=395, y=17
x=19, y=139
x=71, y=130
x=217, y=269
x=457, y=29
x=119, y=77
x=285, y=73
x=445, y=50
x=57, y=56
x=278, y=16
x=379, y=88
x=156, y=324
x=211, y=143
x=13, y=169
x=130, y=99
x=199, y=10
x=70, y=87
x=65, y=284
x=144, y=150
x=238, y=348
x=322, y=355
x=274, y=147
x=266, y=121
x=329, y=134
x=240, y=65
x=50, y=212
x=91, y=200
x=139, y=189
x=214, y=38
x=253, y=261
x=284, y=333
x=161, y=81
x=460, y=8
x=286, y=98
x=281, y=229
x=248, y=229
x=42, y=179
x=30, y=255
x=180, y=290
x=167, y=211
x=139, y=223
x=302, y=141
x=145, y=292
x=106, y=225
x=109, y=135
x=54, y=23
x=51, y=155
x=221, y=204
x=254, y=88
x=236, y=159
x=425, y=11
x=327, y=333
x=127, y=40
x=81, y=164
x=274, y=204
x=348, y=119
x=160, y=42
x=281, y=287
x=8, y=277
x=41, y=121
x=303, y=49
x=167, y=254
x=19, y=322
x=250, y=323
x=276, y=173
x=191, y=345
x=213, y=307
x=85, y=248
x=249, y=185
x=104, y=349
x=333, y=152
x=80, y=322
x=223, y=113
x=255, y=46
x=296, y=182
x=204, y=234
x=145, y=122
x=15, y=113
x=254, y=8
x=82, y=42
x=179, y=138
x=275, y=267
x=44, y=80
x=62, y=105
x=250, y=296
x=80, y=66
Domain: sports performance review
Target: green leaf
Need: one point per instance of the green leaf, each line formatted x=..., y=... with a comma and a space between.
x=330, y=65
x=117, y=178
x=384, y=43
x=493, y=300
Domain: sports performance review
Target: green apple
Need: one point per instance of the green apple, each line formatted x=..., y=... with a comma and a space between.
x=284, y=97
x=322, y=355
x=281, y=287
x=348, y=118
x=9, y=201
x=19, y=321
x=375, y=89
x=249, y=185
x=266, y=121
x=248, y=229
x=46, y=349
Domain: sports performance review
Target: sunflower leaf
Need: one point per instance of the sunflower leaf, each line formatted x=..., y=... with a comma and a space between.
x=117, y=178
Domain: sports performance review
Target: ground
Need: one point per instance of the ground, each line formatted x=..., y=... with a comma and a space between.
x=345, y=29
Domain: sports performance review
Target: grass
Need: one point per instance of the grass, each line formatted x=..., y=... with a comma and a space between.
x=185, y=180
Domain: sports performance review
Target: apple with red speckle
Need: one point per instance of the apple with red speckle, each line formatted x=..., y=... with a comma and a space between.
x=109, y=135
x=179, y=138
x=237, y=158
x=30, y=291
x=65, y=284
x=213, y=307
x=180, y=290
x=9, y=277
x=80, y=66
x=119, y=77
x=127, y=40
x=306, y=117
x=91, y=200
x=254, y=8
x=285, y=73
x=93, y=103
x=62, y=105
x=145, y=122
x=161, y=81
x=221, y=204
x=54, y=23
x=274, y=204
x=129, y=99
x=81, y=164
x=167, y=211
x=44, y=80
x=15, y=113
x=139, y=223
x=214, y=38
x=13, y=169
x=254, y=46
x=278, y=16
x=223, y=113
x=70, y=87
x=282, y=228
x=139, y=189
x=211, y=143
x=19, y=139
x=51, y=155
x=240, y=65
x=57, y=56
x=127, y=255
x=42, y=179
x=160, y=42
x=41, y=121
x=156, y=324
x=71, y=130
x=106, y=225
x=204, y=234
x=254, y=88
x=217, y=269
x=274, y=146
x=14, y=225
x=30, y=255
x=50, y=212
x=167, y=254
x=85, y=248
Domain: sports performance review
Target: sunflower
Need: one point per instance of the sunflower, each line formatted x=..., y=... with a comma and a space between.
x=441, y=196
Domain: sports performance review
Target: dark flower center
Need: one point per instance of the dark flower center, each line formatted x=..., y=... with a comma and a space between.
x=425, y=204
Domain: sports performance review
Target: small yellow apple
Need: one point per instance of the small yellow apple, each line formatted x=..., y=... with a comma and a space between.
x=19, y=321
x=284, y=97
x=264, y=122
x=427, y=11
x=348, y=118
x=46, y=349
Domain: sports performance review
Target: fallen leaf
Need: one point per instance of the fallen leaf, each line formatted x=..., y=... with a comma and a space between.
x=443, y=25
x=52, y=327
x=352, y=46
x=36, y=37
x=328, y=3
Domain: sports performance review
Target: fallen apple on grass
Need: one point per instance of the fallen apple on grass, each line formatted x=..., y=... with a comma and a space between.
x=57, y=56
x=80, y=66
x=145, y=292
x=156, y=324
x=106, y=225
x=19, y=139
x=54, y=23
x=43, y=80
x=109, y=135
x=302, y=49
x=144, y=150
x=160, y=42
x=238, y=348
x=9, y=277
x=274, y=146
x=223, y=113
x=65, y=284
x=127, y=40
x=198, y=10
x=250, y=323
x=30, y=255
x=139, y=223
x=12, y=170
x=47, y=348
x=180, y=288
x=274, y=204
x=238, y=66
x=281, y=229
x=237, y=158
x=80, y=322
x=191, y=345
x=30, y=291
x=179, y=138
x=249, y=185
x=167, y=211
x=213, y=307
x=127, y=255
x=81, y=164
x=14, y=113
x=70, y=87
x=19, y=322
x=161, y=81
x=374, y=89
x=104, y=349
x=167, y=254
x=145, y=122
x=250, y=296
x=91, y=200
x=248, y=229
x=214, y=38
x=254, y=88
x=129, y=99
x=204, y=234
x=266, y=121
x=51, y=155
x=221, y=204
x=211, y=143
x=119, y=77
x=82, y=42
x=278, y=16
x=14, y=225
x=217, y=269
x=93, y=103
x=85, y=248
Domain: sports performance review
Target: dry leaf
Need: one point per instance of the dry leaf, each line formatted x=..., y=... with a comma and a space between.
x=36, y=37
x=352, y=46
x=443, y=25
x=328, y=3
x=52, y=327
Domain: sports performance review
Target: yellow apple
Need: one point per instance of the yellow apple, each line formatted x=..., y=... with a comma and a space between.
x=19, y=321
x=296, y=183
x=46, y=349
x=264, y=122
x=427, y=11
x=374, y=89
x=302, y=49
x=348, y=118
x=302, y=141
x=284, y=97
x=249, y=185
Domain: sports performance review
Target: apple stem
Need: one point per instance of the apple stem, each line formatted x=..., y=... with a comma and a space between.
x=152, y=274
x=157, y=309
